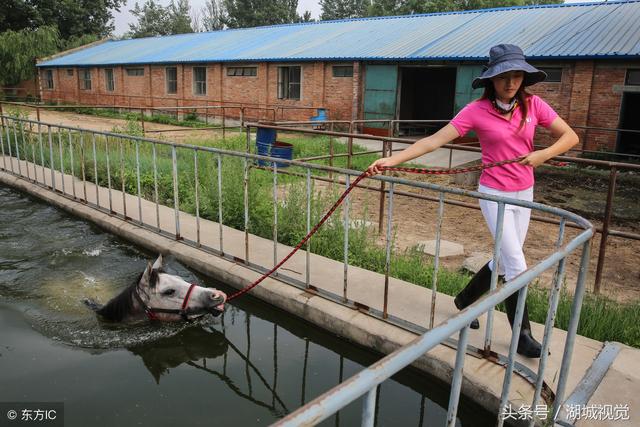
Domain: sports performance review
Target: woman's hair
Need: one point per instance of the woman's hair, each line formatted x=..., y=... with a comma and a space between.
x=521, y=96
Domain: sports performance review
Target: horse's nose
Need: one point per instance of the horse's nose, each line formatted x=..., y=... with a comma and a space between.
x=219, y=296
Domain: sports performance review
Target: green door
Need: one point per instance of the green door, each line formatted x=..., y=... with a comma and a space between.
x=464, y=93
x=380, y=92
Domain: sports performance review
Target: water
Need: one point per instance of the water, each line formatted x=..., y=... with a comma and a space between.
x=250, y=366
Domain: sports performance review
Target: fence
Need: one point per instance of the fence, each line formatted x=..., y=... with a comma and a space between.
x=160, y=169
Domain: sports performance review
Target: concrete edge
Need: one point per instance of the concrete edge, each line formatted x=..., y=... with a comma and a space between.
x=479, y=382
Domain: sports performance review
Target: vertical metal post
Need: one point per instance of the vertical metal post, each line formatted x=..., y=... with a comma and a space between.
x=456, y=384
x=572, y=329
x=176, y=203
x=387, y=263
x=142, y=121
x=224, y=127
x=155, y=183
x=138, y=181
x=41, y=152
x=382, y=193
x=9, y=147
x=308, y=259
x=33, y=157
x=275, y=215
x=515, y=338
x=494, y=273
x=82, y=168
x=368, y=408
x=95, y=168
x=220, y=201
x=549, y=323
x=122, y=179
x=61, y=158
x=4, y=160
x=73, y=176
x=350, y=146
x=196, y=184
x=15, y=138
x=106, y=149
x=51, y=165
x=246, y=211
x=26, y=151
x=331, y=151
x=346, y=239
x=436, y=261
x=605, y=228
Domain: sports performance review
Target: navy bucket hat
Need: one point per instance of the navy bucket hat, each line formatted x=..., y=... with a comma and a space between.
x=508, y=57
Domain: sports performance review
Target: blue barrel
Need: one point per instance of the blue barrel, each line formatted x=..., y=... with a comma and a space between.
x=263, y=149
x=282, y=150
x=267, y=136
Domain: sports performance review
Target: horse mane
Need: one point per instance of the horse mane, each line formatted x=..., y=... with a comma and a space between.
x=120, y=306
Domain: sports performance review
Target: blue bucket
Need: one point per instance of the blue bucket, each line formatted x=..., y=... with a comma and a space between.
x=267, y=136
x=281, y=150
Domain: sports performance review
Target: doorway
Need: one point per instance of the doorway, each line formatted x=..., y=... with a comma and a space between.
x=427, y=93
x=629, y=143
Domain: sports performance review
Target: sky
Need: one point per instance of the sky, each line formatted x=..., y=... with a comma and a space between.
x=124, y=17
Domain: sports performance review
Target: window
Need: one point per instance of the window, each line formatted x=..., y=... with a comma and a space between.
x=633, y=77
x=135, y=72
x=86, y=79
x=108, y=80
x=289, y=82
x=171, y=74
x=554, y=75
x=242, y=71
x=343, y=71
x=48, y=79
x=199, y=81
x=69, y=72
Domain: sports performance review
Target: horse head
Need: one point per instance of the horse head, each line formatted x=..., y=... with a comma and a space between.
x=167, y=297
x=161, y=296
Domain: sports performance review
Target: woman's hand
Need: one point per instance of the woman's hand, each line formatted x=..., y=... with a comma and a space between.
x=376, y=167
x=535, y=158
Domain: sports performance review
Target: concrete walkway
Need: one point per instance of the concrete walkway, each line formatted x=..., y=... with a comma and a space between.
x=483, y=378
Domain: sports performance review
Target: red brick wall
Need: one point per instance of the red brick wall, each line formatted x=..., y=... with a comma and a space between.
x=588, y=95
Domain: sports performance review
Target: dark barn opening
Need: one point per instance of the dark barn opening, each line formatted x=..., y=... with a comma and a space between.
x=629, y=142
x=427, y=93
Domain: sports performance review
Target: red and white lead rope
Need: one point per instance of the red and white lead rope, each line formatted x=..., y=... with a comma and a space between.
x=352, y=186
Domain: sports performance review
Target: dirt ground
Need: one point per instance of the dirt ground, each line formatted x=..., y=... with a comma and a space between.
x=414, y=220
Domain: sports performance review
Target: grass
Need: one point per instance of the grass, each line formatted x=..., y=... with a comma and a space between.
x=602, y=319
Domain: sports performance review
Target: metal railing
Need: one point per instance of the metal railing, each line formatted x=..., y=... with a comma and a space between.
x=606, y=230
x=23, y=145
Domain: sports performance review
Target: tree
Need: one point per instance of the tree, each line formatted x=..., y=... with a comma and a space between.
x=342, y=9
x=19, y=50
x=72, y=18
x=254, y=13
x=156, y=20
x=407, y=7
x=306, y=17
x=214, y=15
x=179, y=17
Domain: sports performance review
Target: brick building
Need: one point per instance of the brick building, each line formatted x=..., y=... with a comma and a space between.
x=407, y=67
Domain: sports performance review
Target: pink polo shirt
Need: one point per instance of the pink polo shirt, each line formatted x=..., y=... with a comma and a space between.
x=500, y=139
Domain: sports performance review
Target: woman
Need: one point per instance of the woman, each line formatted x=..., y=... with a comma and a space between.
x=504, y=119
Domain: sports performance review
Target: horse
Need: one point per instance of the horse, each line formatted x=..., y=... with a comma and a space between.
x=157, y=295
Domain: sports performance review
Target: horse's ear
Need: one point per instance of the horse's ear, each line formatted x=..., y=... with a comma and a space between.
x=158, y=264
x=149, y=278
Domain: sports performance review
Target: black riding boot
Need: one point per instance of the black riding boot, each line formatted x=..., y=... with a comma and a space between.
x=527, y=345
x=477, y=286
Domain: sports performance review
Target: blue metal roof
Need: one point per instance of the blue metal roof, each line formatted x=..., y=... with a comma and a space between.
x=582, y=30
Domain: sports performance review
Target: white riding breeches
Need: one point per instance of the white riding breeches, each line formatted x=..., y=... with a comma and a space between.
x=514, y=231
